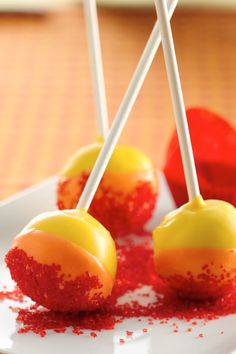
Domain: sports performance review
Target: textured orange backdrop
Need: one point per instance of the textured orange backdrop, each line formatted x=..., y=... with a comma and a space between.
x=46, y=102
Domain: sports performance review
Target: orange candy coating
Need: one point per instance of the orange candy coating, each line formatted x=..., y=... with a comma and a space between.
x=60, y=273
x=198, y=273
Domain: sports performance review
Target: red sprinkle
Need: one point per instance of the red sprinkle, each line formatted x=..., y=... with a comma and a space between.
x=201, y=335
x=145, y=330
x=129, y=333
x=93, y=334
x=77, y=331
x=122, y=341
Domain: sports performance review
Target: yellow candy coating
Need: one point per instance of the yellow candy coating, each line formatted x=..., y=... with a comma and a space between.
x=124, y=159
x=209, y=224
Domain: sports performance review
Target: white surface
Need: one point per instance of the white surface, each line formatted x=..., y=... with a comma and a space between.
x=123, y=112
x=14, y=214
x=90, y=10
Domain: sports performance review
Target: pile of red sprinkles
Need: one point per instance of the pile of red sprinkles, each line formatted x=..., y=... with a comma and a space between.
x=135, y=270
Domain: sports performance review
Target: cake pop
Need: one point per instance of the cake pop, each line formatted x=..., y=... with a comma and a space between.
x=128, y=192
x=66, y=260
x=194, y=247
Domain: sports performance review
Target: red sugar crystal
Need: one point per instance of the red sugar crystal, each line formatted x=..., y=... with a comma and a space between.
x=129, y=333
x=175, y=325
x=201, y=335
x=122, y=341
x=77, y=331
x=93, y=334
x=135, y=269
x=122, y=214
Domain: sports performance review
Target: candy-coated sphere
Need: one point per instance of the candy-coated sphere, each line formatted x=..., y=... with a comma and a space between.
x=195, y=249
x=126, y=196
x=64, y=260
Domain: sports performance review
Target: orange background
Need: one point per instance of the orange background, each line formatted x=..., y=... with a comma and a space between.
x=46, y=102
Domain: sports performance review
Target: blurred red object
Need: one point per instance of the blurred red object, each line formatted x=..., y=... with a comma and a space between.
x=214, y=146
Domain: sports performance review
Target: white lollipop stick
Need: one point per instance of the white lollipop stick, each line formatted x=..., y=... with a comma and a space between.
x=177, y=100
x=123, y=113
x=90, y=9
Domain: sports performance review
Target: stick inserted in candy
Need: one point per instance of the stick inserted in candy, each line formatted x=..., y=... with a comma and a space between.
x=128, y=192
x=195, y=246
x=90, y=10
x=66, y=260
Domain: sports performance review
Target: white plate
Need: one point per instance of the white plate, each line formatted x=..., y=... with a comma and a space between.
x=14, y=214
